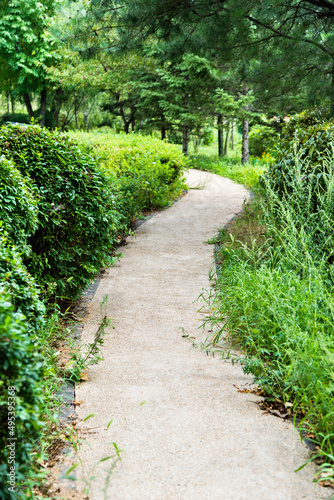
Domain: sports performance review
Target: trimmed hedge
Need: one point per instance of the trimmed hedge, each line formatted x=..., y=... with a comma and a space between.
x=61, y=214
x=20, y=285
x=18, y=204
x=21, y=320
x=77, y=223
x=22, y=368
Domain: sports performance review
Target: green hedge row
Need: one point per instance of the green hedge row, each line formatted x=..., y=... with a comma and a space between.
x=21, y=321
x=73, y=207
x=62, y=209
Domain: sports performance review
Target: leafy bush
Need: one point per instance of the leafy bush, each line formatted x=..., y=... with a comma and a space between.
x=20, y=285
x=21, y=320
x=146, y=172
x=15, y=118
x=18, y=205
x=21, y=368
x=261, y=139
x=307, y=136
x=77, y=222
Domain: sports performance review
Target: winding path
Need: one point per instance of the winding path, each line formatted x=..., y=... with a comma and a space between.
x=186, y=432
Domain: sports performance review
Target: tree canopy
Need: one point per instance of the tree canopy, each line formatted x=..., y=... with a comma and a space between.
x=160, y=65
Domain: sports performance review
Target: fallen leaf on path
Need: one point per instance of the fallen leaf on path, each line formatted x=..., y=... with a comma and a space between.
x=83, y=376
x=278, y=414
x=77, y=403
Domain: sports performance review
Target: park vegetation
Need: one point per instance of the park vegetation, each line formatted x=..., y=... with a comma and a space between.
x=102, y=107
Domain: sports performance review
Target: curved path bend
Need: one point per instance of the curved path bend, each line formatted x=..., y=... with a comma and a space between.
x=186, y=432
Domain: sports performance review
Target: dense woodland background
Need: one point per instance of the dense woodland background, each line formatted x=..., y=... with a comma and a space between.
x=177, y=67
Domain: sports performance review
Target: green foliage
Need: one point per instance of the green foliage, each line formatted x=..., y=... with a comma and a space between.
x=15, y=118
x=302, y=152
x=77, y=223
x=146, y=172
x=21, y=319
x=20, y=285
x=25, y=46
x=247, y=174
x=18, y=205
x=261, y=139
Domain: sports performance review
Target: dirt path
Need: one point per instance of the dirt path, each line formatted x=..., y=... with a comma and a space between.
x=185, y=430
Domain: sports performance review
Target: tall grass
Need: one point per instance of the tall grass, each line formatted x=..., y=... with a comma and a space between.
x=275, y=300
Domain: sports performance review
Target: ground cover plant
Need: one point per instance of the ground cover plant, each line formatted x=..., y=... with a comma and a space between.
x=275, y=289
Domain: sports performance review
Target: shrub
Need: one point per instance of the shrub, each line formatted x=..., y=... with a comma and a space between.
x=18, y=205
x=305, y=144
x=20, y=285
x=21, y=320
x=146, y=172
x=261, y=139
x=77, y=222
x=15, y=118
x=21, y=368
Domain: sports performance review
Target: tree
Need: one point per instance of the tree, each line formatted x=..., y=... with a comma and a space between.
x=188, y=89
x=26, y=48
x=228, y=28
x=236, y=108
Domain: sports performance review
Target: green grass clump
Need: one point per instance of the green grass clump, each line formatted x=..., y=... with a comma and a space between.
x=247, y=174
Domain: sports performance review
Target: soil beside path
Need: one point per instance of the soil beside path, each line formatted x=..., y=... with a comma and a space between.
x=185, y=430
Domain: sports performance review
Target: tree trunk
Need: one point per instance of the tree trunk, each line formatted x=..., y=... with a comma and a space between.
x=8, y=101
x=12, y=102
x=185, y=145
x=56, y=105
x=220, y=135
x=232, y=135
x=43, y=107
x=76, y=119
x=133, y=124
x=226, y=138
x=27, y=102
x=245, y=141
x=86, y=114
x=126, y=127
x=163, y=132
x=163, y=128
x=125, y=121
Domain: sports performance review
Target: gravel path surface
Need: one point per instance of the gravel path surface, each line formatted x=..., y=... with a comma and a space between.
x=186, y=432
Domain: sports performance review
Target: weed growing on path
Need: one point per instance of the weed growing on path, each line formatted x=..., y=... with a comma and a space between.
x=89, y=354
